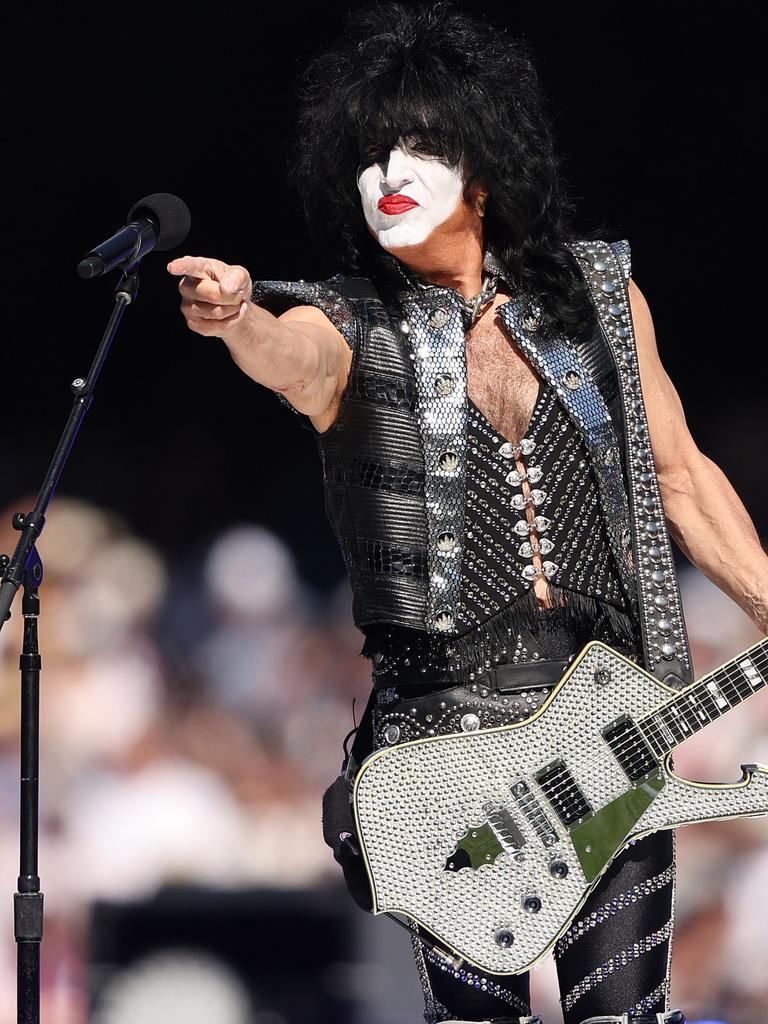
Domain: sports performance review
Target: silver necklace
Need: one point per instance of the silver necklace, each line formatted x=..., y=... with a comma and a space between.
x=473, y=308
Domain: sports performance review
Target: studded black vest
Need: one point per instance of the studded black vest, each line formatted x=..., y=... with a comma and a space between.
x=395, y=462
x=567, y=529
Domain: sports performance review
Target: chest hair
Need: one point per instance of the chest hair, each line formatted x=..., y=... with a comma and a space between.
x=500, y=380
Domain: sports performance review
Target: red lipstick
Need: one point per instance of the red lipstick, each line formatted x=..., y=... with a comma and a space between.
x=396, y=203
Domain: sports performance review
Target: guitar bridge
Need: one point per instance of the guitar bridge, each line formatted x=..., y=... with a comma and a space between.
x=531, y=808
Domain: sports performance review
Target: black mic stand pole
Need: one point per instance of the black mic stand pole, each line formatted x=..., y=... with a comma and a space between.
x=25, y=568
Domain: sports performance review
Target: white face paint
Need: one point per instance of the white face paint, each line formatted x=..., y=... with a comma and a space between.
x=407, y=194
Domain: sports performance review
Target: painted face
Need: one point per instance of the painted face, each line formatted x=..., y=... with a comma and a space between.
x=407, y=194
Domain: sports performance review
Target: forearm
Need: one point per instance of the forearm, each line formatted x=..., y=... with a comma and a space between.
x=709, y=522
x=275, y=354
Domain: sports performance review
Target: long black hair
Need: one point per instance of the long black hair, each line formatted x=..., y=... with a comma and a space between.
x=470, y=93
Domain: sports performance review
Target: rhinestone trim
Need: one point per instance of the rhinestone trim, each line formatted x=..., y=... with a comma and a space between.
x=647, y=1003
x=432, y=1009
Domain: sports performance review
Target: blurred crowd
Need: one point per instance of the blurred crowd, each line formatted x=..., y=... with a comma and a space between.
x=193, y=712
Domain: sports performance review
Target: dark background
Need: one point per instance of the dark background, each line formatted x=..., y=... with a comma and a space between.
x=658, y=111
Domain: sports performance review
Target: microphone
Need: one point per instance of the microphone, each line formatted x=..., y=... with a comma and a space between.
x=160, y=221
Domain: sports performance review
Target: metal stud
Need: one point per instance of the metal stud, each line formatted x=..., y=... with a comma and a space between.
x=668, y=651
x=392, y=734
x=608, y=287
x=448, y=462
x=439, y=317
x=444, y=620
x=600, y=266
x=444, y=384
x=405, y=327
x=665, y=626
x=470, y=722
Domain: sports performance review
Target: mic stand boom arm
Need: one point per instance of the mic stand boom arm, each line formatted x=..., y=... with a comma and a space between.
x=24, y=567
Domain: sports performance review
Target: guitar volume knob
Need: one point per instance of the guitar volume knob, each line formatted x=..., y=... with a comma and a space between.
x=558, y=868
x=532, y=904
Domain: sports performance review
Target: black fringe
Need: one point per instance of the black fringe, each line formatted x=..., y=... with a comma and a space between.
x=579, y=615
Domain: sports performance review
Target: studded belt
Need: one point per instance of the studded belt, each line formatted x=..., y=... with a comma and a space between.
x=501, y=696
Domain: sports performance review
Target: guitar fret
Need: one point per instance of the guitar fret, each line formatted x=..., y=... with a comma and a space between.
x=753, y=677
x=706, y=700
x=689, y=712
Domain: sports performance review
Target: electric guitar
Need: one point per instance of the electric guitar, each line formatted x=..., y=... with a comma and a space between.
x=492, y=840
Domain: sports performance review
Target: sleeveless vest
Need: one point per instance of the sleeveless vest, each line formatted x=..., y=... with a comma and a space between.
x=394, y=460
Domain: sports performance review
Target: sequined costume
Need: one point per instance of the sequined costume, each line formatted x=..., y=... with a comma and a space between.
x=438, y=538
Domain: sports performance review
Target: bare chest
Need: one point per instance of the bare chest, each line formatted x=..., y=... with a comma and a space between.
x=500, y=380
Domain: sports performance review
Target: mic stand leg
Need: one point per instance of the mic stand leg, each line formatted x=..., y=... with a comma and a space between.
x=28, y=900
x=24, y=568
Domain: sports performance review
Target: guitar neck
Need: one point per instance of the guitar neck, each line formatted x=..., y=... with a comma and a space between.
x=708, y=698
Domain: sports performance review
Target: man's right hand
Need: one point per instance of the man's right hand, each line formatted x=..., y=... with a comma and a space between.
x=214, y=295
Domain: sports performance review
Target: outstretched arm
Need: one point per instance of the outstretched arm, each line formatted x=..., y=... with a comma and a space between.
x=706, y=517
x=300, y=353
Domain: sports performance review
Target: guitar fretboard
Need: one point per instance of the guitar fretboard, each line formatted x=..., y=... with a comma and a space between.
x=709, y=698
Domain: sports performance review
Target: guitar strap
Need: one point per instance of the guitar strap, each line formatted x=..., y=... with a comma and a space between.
x=606, y=268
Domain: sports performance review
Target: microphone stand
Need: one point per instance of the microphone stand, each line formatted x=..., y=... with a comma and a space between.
x=24, y=568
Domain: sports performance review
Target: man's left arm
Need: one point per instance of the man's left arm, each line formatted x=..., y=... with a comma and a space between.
x=706, y=517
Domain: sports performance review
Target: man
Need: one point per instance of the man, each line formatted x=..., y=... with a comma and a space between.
x=502, y=449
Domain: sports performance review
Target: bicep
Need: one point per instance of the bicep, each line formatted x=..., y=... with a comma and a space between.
x=674, y=449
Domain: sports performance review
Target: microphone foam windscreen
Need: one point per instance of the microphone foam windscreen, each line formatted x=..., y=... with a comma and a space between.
x=171, y=215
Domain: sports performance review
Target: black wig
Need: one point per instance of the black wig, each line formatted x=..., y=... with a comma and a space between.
x=468, y=92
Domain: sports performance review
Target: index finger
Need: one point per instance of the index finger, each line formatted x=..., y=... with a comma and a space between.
x=197, y=266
